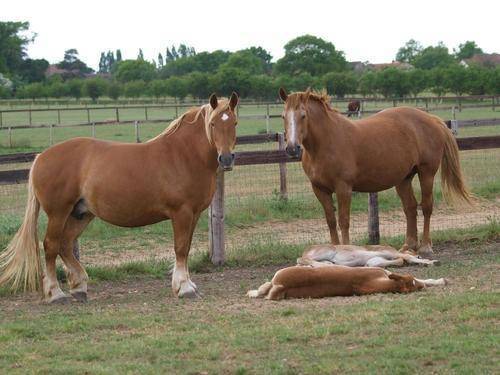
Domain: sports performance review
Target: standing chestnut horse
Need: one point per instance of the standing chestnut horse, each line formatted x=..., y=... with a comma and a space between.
x=369, y=155
x=170, y=177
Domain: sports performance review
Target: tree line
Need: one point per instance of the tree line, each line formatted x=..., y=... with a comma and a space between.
x=180, y=71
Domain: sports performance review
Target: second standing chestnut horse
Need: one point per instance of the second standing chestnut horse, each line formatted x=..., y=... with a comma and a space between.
x=370, y=155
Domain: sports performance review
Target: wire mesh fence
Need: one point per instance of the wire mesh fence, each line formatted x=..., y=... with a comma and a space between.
x=259, y=213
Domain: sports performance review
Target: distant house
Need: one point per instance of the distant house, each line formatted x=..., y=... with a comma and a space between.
x=394, y=64
x=53, y=70
x=357, y=66
x=486, y=60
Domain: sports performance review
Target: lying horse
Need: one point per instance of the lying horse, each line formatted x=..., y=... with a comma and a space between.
x=359, y=256
x=332, y=281
x=172, y=176
x=370, y=155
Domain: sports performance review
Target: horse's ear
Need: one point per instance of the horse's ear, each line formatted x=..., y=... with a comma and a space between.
x=395, y=276
x=233, y=101
x=213, y=101
x=283, y=94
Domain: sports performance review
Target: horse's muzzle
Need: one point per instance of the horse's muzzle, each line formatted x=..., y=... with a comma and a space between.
x=226, y=161
x=293, y=151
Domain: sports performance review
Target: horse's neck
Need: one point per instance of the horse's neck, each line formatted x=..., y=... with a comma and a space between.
x=331, y=131
x=190, y=139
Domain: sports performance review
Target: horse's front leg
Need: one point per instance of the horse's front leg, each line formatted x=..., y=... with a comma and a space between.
x=344, y=193
x=183, y=222
x=327, y=202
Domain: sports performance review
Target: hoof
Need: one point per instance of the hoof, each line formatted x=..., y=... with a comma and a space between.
x=188, y=290
x=59, y=300
x=425, y=251
x=253, y=293
x=80, y=296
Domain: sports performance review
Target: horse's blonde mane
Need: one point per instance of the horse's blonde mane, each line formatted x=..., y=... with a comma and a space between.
x=295, y=99
x=205, y=111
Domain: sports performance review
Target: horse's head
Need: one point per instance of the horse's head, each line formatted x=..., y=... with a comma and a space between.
x=406, y=283
x=221, y=124
x=295, y=117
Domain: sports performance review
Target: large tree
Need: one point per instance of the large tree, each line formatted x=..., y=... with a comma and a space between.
x=310, y=54
x=467, y=50
x=433, y=57
x=72, y=63
x=340, y=83
x=13, y=43
x=133, y=70
x=408, y=52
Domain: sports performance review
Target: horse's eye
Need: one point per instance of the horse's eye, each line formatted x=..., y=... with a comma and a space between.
x=236, y=123
x=303, y=116
x=283, y=116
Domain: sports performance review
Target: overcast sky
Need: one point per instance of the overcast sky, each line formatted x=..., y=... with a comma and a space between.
x=364, y=30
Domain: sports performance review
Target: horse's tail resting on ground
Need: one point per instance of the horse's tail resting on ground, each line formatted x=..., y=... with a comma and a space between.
x=20, y=264
x=452, y=181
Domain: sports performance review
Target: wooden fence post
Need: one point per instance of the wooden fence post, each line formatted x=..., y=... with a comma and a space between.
x=216, y=223
x=137, y=137
x=30, y=117
x=10, y=137
x=51, y=136
x=267, y=117
x=93, y=130
x=88, y=116
x=146, y=113
x=492, y=107
x=373, y=221
x=117, y=115
x=1, y=116
x=59, y=116
x=454, y=127
x=283, y=189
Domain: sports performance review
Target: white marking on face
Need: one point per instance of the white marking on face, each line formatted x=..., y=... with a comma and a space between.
x=293, y=127
x=224, y=117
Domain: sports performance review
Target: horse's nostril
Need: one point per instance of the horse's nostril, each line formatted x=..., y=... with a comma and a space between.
x=233, y=155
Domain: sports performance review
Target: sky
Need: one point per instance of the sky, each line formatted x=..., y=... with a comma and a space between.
x=364, y=30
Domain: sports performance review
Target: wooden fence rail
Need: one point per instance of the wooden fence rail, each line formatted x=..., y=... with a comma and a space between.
x=278, y=156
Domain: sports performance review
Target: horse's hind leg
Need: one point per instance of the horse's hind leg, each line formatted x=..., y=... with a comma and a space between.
x=77, y=277
x=426, y=184
x=383, y=262
x=405, y=192
x=52, y=245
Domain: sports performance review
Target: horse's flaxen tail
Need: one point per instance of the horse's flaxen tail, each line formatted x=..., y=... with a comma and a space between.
x=20, y=264
x=452, y=181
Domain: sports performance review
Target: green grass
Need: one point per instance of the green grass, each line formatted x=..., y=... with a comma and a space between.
x=440, y=330
x=24, y=140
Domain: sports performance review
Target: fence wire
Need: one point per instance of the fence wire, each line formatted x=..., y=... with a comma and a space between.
x=258, y=212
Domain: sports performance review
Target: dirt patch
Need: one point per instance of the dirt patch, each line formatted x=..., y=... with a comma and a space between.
x=225, y=290
x=392, y=223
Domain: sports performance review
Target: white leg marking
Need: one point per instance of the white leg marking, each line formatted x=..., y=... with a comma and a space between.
x=293, y=127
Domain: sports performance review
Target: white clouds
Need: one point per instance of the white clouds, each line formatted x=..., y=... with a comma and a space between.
x=364, y=30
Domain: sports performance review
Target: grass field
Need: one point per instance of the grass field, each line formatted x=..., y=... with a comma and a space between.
x=132, y=324
x=38, y=139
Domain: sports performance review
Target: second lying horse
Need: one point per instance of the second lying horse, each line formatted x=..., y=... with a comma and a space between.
x=332, y=281
x=359, y=256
